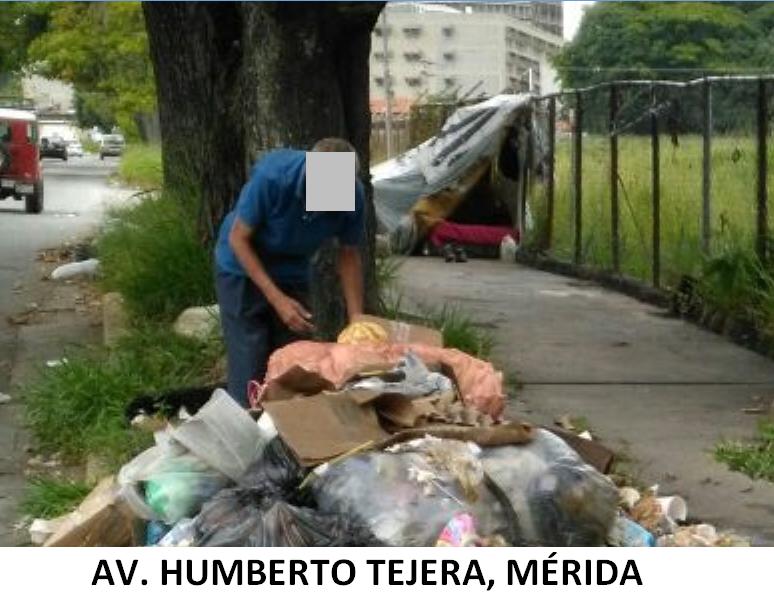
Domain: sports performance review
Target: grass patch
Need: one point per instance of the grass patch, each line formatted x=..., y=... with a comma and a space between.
x=459, y=330
x=151, y=253
x=737, y=283
x=51, y=497
x=141, y=166
x=78, y=408
x=755, y=459
x=733, y=202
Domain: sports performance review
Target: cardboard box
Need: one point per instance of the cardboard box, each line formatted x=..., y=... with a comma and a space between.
x=101, y=520
x=320, y=427
x=402, y=332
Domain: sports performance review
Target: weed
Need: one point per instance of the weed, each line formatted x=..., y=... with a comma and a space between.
x=78, y=408
x=459, y=330
x=141, y=166
x=51, y=497
x=152, y=254
x=754, y=459
x=387, y=272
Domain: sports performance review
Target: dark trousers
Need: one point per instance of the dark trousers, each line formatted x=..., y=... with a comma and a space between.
x=251, y=329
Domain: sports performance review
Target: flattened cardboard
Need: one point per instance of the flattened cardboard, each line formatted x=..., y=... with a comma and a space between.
x=402, y=332
x=320, y=427
x=296, y=381
x=101, y=520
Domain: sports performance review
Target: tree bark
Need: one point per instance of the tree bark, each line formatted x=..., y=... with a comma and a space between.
x=235, y=80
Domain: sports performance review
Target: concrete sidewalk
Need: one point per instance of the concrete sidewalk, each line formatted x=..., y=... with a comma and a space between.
x=661, y=391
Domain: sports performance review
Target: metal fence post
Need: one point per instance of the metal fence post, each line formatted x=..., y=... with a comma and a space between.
x=550, y=190
x=656, y=189
x=614, y=212
x=762, y=236
x=706, y=185
x=578, y=177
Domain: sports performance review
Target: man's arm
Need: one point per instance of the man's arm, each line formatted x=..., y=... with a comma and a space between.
x=290, y=311
x=350, y=269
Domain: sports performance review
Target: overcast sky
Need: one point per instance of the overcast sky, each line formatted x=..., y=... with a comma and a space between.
x=573, y=11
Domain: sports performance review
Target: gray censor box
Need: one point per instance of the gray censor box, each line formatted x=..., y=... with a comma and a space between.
x=330, y=181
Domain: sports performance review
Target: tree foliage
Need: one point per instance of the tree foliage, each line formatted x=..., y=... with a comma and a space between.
x=102, y=49
x=667, y=40
x=20, y=23
x=670, y=41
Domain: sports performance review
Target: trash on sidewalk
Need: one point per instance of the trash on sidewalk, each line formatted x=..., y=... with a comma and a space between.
x=362, y=332
x=4, y=398
x=403, y=332
x=41, y=530
x=627, y=533
x=367, y=442
x=198, y=322
x=88, y=267
x=322, y=366
x=701, y=535
x=55, y=363
x=192, y=461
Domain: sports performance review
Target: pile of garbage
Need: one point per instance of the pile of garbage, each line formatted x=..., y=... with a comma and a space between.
x=383, y=438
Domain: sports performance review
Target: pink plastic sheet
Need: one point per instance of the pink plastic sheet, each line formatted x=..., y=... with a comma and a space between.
x=479, y=383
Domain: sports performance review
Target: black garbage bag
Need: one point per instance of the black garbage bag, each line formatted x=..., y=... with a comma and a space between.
x=243, y=518
x=276, y=474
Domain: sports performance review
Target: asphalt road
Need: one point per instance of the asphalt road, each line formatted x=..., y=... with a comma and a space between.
x=76, y=195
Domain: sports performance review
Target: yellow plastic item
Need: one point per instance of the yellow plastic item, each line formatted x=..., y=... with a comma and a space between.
x=362, y=332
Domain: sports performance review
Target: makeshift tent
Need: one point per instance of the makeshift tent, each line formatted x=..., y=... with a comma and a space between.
x=466, y=184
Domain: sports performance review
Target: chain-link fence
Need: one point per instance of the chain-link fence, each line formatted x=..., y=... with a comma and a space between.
x=646, y=178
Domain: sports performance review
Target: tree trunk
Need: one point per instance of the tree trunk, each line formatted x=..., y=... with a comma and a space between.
x=237, y=79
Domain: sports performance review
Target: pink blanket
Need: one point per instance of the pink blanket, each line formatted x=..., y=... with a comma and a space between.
x=470, y=234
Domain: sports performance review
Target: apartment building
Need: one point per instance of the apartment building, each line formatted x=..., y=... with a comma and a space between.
x=438, y=50
x=547, y=16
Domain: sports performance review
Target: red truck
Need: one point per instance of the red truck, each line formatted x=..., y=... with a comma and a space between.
x=20, y=173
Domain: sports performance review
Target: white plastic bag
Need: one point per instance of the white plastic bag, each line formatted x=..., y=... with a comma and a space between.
x=166, y=482
x=222, y=435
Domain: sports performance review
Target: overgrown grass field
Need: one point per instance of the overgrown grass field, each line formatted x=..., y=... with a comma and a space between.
x=733, y=202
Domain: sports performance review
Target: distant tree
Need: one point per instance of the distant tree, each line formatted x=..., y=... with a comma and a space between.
x=102, y=49
x=20, y=23
x=657, y=40
x=670, y=41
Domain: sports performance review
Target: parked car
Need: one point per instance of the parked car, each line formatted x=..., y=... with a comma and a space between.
x=74, y=149
x=112, y=145
x=20, y=174
x=53, y=147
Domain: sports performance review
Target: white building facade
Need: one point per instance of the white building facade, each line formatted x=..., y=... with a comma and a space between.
x=455, y=51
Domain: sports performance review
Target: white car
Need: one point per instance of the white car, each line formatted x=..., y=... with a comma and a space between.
x=74, y=149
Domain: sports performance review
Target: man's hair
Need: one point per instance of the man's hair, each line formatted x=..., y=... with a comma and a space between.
x=337, y=144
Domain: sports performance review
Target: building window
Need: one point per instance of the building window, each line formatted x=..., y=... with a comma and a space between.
x=449, y=56
x=413, y=81
x=413, y=55
x=379, y=55
x=449, y=81
x=448, y=31
x=412, y=32
x=379, y=81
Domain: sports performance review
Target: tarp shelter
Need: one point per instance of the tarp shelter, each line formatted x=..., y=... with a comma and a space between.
x=468, y=181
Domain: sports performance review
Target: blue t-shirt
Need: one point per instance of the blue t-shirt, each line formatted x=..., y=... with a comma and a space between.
x=285, y=235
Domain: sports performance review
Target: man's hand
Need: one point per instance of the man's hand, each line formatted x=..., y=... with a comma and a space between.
x=294, y=315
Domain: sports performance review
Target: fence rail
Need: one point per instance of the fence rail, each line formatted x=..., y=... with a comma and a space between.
x=742, y=97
